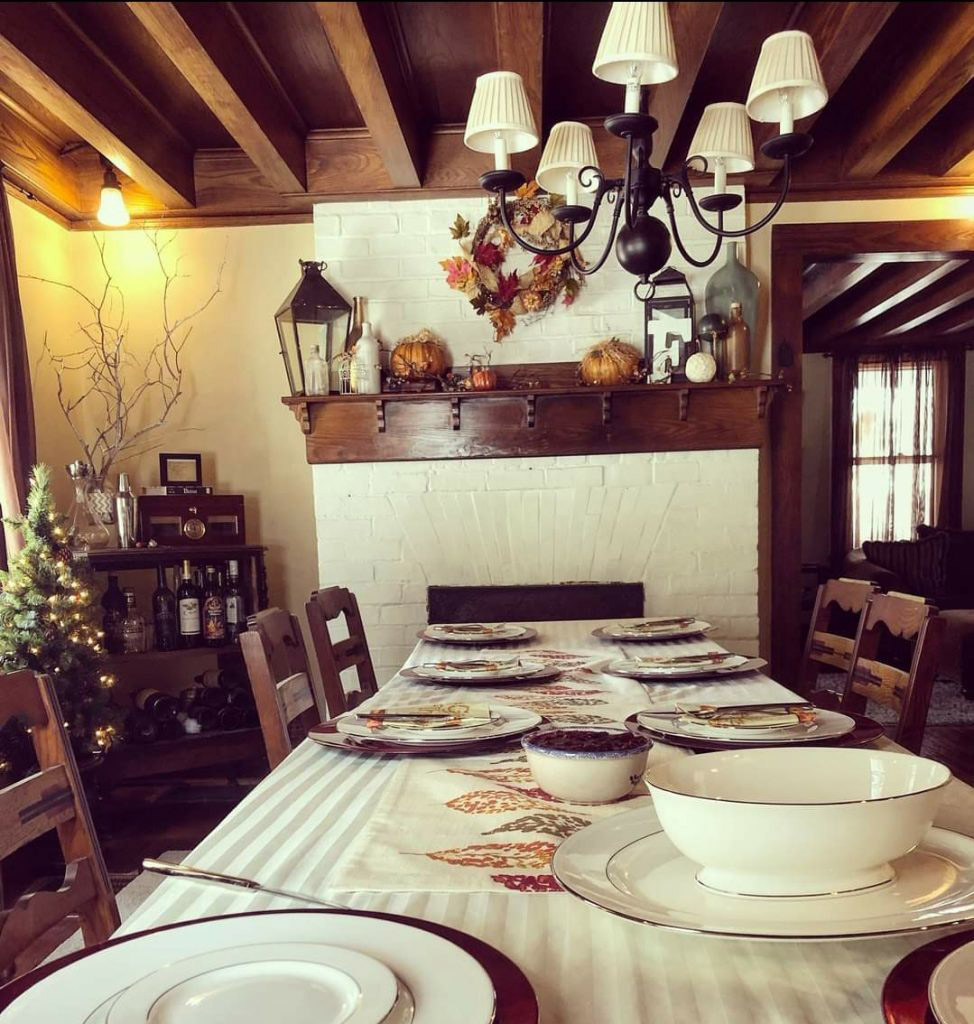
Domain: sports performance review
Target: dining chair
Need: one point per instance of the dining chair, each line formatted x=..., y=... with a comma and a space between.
x=331, y=605
x=52, y=799
x=839, y=605
x=894, y=662
x=547, y=602
x=284, y=692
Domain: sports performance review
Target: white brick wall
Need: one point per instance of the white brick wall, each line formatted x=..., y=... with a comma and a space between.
x=683, y=523
x=671, y=520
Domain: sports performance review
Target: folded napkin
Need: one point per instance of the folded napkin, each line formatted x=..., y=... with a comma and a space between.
x=469, y=628
x=708, y=658
x=459, y=716
x=655, y=625
x=476, y=665
x=772, y=718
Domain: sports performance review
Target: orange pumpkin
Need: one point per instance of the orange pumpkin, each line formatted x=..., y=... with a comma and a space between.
x=418, y=357
x=482, y=379
x=609, y=363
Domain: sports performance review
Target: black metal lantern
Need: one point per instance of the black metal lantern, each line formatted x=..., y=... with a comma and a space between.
x=313, y=314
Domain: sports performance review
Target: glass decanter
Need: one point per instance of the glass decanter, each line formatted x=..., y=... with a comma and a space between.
x=85, y=528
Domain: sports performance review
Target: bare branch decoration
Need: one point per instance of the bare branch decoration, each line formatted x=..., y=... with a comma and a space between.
x=104, y=382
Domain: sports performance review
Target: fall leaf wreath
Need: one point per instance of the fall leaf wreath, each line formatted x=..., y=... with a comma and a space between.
x=478, y=271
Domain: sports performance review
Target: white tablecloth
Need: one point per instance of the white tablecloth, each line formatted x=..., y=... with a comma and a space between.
x=587, y=966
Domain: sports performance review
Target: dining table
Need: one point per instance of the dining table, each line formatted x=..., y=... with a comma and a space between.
x=352, y=828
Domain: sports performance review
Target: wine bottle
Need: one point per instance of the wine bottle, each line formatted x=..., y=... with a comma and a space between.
x=214, y=612
x=156, y=704
x=230, y=717
x=236, y=609
x=164, y=613
x=133, y=626
x=171, y=729
x=205, y=717
x=211, y=696
x=141, y=728
x=113, y=602
x=188, y=606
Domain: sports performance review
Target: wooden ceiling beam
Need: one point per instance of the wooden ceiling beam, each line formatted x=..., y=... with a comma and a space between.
x=35, y=163
x=206, y=44
x=519, y=39
x=825, y=282
x=930, y=304
x=367, y=56
x=43, y=54
x=915, y=93
x=888, y=286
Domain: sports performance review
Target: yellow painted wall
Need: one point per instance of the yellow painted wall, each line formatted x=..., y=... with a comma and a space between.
x=231, y=410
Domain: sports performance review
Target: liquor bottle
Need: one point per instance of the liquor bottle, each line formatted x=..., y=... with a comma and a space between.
x=189, y=611
x=738, y=345
x=133, y=626
x=113, y=601
x=214, y=611
x=234, y=599
x=164, y=613
x=156, y=704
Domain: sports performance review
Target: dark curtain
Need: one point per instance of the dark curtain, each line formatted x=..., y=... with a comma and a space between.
x=950, y=414
x=844, y=370
x=18, y=450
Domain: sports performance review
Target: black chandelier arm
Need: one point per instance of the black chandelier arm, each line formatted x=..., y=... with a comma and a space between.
x=668, y=200
x=626, y=197
x=576, y=263
x=681, y=182
x=505, y=220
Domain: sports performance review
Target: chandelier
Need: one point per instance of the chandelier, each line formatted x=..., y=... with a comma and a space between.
x=637, y=50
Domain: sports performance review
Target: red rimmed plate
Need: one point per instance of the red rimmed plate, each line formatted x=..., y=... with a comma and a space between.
x=866, y=731
x=905, y=999
x=516, y=1001
x=327, y=735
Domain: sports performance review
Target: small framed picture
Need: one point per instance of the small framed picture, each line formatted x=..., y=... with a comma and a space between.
x=669, y=327
x=180, y=468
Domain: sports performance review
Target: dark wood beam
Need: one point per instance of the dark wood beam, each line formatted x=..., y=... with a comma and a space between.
x=366, y=53
x=35, y=163
x=693, y=28
x=44, y=55
x=956, y=325
x=519, y=31
x=823, y=283
x=207, y=45
x=923, y=309
x=842, y=34
x=941, y=66
x=885, y=289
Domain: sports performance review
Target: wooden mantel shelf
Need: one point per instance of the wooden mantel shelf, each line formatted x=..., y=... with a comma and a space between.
x=526, y=422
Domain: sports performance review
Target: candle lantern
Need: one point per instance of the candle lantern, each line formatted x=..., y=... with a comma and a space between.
x=313, y=314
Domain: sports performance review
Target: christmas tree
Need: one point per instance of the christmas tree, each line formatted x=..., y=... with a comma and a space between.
x=47, y=624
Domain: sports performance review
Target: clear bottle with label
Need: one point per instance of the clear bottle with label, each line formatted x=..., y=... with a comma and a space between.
x=214, y=611
x=133, y=626
x=737, y=345
x=189, y=612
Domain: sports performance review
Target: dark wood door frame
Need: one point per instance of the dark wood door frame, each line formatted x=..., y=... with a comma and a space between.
x=792, y=246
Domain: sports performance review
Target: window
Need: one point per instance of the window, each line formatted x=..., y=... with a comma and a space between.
x=895, y=450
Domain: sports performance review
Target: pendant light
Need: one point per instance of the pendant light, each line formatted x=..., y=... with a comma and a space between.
x=112, y=211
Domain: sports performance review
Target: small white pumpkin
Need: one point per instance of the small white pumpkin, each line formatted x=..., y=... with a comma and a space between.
x=701, y=368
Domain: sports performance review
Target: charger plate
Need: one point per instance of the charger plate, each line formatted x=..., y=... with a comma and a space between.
x=544, y=675
x=617, y=632
x=626, y=865
x=830, y=726
x=506, y=721
x=26, y=999
x=736, y=665
x=865, y=731
x=327, y=735
x=906, y=998
x=514, y=635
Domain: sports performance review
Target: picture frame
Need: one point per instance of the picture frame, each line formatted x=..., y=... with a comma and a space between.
x=670, y=327
x=184, y=468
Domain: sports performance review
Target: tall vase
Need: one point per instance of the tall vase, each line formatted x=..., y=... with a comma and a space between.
x=733, y=283
x=85, y=527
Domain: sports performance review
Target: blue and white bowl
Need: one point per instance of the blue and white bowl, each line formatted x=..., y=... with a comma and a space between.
x=586, y=776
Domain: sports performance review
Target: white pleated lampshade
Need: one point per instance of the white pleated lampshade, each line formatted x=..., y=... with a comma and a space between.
x=788, y=63
x=569, y=148
x=724, y=132
x=636, y=34
x=500, y=107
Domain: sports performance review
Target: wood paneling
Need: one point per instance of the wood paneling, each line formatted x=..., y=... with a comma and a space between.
x=37, y=165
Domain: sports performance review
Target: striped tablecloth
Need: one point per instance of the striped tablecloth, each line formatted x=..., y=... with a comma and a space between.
x=587, y=966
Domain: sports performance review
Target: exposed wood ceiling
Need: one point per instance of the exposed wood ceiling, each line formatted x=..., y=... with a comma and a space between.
x=867, y=304
x=222, y=112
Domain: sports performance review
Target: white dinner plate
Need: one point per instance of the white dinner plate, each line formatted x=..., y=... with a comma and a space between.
x=517, y=668
x=828, y=725
x=951, y=990
x=625, y=632
x=626, y=865
x=474, y=632
x=439, y=975
x=509, y=721
x=643, y=668
x=303, y=982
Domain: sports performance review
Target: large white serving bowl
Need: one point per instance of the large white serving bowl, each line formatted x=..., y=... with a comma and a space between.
x=787, y=822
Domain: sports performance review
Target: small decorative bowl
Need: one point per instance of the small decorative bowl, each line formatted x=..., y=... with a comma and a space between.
x=586, y=766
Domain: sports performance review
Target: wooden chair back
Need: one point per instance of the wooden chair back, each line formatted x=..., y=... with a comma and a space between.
x=51, y=799
x=548, y=602
x=284, y=693
x=895, y=661
x=836, y=616
x=336, y=656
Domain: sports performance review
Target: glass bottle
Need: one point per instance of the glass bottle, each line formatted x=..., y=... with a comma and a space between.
x=340, y=360
x=156, y=704
x=113, y=602
x=133, y=626
x=315, y=373
x=188, y=600
x=235, y=605
x=733, y=282
x=214, y=611
x=164, y=613
x=738, y=345
x=85, y=528
x=366, y=370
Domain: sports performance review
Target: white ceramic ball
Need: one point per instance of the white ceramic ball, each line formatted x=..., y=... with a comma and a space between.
x=701, y=368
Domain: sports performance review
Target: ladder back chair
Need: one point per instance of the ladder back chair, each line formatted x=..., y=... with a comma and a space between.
x=836, y=616
x=546, y=602
x=336, y=656
x=51, y=799
x=895, y=661
x=284, y=693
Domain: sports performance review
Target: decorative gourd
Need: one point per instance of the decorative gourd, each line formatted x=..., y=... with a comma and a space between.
x=482, y=379
x=608, y=363
x=419, y=356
